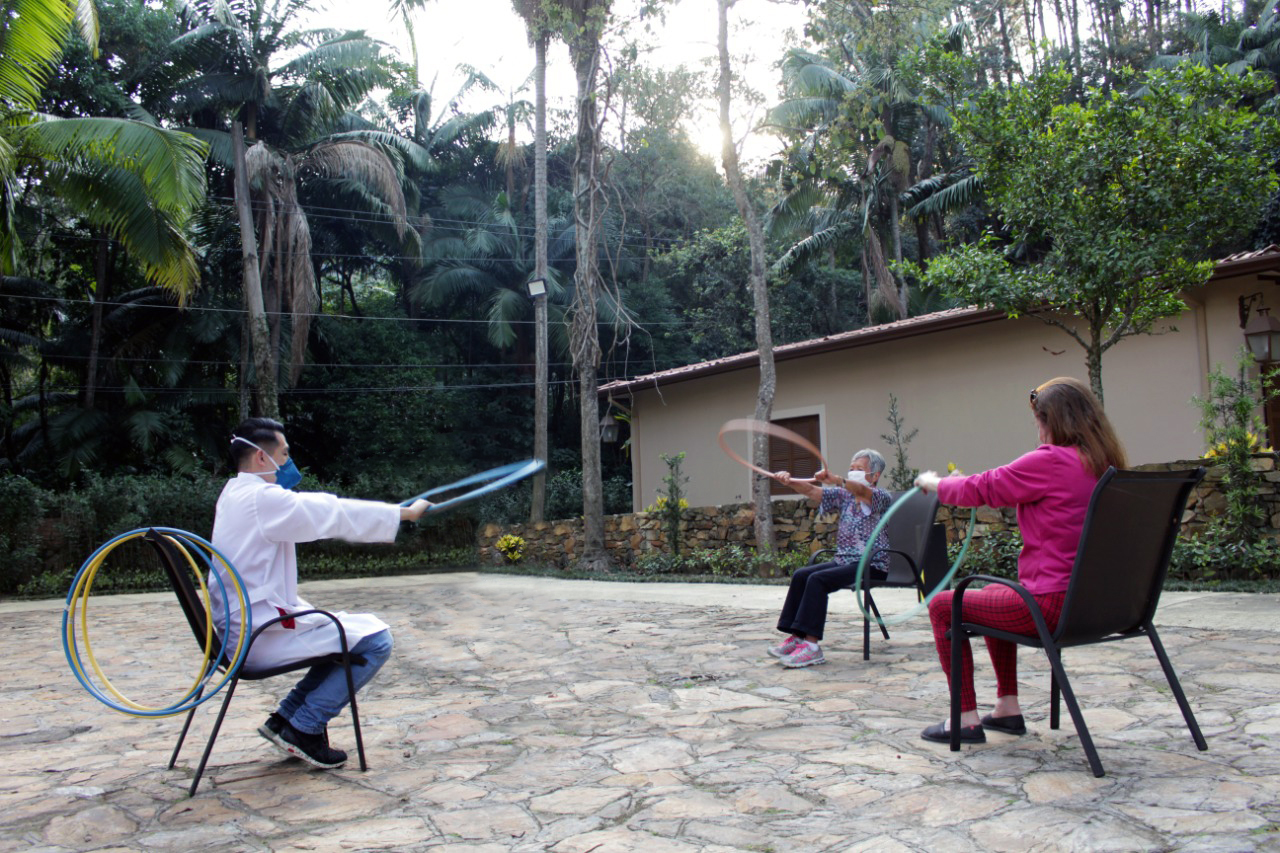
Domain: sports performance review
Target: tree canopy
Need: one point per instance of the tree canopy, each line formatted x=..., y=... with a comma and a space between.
x=1107, y=210
x=928, y=154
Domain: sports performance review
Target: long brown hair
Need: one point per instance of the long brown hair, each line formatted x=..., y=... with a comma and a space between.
x=1073, y=417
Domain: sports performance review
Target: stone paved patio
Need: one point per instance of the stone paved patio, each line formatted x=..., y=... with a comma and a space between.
x=533, y=714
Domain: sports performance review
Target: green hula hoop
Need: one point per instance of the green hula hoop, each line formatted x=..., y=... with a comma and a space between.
x=946, y=579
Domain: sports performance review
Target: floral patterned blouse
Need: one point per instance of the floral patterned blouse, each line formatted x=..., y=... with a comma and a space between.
x=857, y=520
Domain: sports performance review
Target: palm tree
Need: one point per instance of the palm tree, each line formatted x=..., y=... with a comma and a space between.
x=131, y=181
x=295, y=91
x=514, y=111
x=134, y=180
x=886, y=133
x=483, y=263
x=1210, y=40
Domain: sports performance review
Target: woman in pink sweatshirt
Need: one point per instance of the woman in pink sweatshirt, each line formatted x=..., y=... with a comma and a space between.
x=1050, y=487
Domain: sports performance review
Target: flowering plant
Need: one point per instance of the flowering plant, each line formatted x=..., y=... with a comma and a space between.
x=511, y=547
x=1250, y=440
x=661, y=503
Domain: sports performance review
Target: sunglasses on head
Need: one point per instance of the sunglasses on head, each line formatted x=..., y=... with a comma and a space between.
x=1034, y=393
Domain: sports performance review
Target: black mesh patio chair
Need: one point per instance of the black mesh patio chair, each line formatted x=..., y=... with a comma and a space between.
x=917, y=557
x=1120, y=567
x=173, y=557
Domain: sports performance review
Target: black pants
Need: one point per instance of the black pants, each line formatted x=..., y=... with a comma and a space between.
x=804, y=613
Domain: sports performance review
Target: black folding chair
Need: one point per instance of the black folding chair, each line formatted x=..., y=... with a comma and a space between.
x=1120, y=567
x=917, y=557
x=174, y=558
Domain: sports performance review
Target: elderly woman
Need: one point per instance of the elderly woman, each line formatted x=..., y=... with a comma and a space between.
x=1050, y=487
x=860, y=505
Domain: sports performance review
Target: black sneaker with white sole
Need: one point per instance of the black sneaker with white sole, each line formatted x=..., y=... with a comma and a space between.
x=313, y=749
x=271, y=729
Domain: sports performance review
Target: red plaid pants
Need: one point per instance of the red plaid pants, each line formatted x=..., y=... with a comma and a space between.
x=995, y=606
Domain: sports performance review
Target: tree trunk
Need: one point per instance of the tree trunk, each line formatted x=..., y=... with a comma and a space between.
x=268, y=397
x=1093, y=357
x=1073, y=13
x=760, y=298
x=537, y=509
x=246, y=352
x=511, y=159
x=1006, y=49
x=1028, y=21
x=101, y=292
x=584, y=336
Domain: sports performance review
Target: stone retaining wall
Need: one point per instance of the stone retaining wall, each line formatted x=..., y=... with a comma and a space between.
x=631, y=535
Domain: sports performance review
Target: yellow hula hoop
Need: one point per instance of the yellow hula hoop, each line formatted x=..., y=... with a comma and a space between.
x=78, y=607
x=242, y=600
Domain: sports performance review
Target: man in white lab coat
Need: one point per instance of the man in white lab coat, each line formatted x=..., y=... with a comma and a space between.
x=258, y=520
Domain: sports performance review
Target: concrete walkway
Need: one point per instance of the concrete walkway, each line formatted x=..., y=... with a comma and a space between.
x=533, y=714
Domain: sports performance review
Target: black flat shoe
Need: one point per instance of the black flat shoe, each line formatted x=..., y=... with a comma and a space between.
x=968, y=734
x=1011, y=725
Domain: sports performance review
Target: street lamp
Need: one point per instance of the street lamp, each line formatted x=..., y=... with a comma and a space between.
x=537, y=287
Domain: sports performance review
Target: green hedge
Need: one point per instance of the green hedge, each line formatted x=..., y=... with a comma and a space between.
x=1209, y=557
x=48, y=535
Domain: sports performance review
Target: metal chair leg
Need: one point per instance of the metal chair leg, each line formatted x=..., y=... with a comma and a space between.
x=213, y=736
x=1055, y=694
x=355, y=713
x=1055, y=661
x=1176, y=687
x=866, y=625
x=871, y=602
x=957, y=666
x=182, y=736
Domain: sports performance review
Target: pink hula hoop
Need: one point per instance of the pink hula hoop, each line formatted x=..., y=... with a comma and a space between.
x=754, y=426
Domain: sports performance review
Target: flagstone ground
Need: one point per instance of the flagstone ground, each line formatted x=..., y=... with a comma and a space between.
x=529, y=714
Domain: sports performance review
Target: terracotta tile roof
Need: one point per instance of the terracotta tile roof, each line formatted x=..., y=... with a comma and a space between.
x=1271, y=249
x=1240, y=263
x=1243, y=263
x=925, y=323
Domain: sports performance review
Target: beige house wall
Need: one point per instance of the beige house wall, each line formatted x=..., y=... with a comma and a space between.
x=964, y=389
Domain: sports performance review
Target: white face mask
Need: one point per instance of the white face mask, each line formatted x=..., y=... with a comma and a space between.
x=858, y=476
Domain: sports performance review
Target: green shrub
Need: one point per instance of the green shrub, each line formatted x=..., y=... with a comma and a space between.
x=731, y=561
x=995, y=555
x=1210, y=556
x=671, y=504
x=21, y=512
x=48, y=536
x=1230, y=419
x=1213, y=555
x=564, y=499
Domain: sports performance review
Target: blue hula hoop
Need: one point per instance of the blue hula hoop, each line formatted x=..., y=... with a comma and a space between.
x=942, y=584
x=493, y=479
x=186, y=703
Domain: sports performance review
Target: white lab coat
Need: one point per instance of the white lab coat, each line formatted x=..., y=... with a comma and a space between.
x=255, y=528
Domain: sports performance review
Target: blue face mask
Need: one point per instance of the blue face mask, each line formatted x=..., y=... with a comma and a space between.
x=287, y=475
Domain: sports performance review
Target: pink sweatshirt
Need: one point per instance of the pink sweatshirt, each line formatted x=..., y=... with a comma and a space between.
x=1050, y=487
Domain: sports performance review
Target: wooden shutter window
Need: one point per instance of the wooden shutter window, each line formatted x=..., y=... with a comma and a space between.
x=785, y=456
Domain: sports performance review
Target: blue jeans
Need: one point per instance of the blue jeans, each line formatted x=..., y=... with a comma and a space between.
x=322, y=693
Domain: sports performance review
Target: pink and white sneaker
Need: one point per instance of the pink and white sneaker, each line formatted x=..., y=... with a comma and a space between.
x=786, y=647
x=805, y=654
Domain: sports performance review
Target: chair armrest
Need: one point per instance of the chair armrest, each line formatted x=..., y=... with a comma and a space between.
x=1028, y=599
x=911, y=561
x=342, y=634
x=813, y=558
